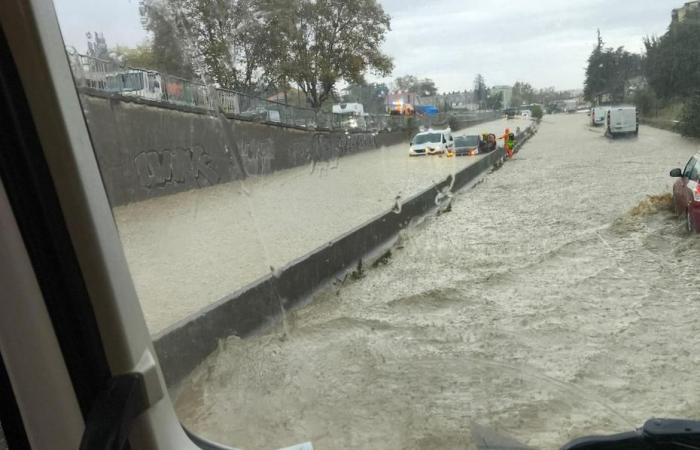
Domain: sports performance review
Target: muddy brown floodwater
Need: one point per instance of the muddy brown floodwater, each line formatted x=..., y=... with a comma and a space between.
x=188, y=250
x=555, y=300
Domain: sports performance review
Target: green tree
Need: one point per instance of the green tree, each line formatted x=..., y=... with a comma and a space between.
x=595, y=83
x=523, y=93
x=549, y=95
x=426, y=87
x=141, y=56
x=422, y=86
x=161, y=19
x=227, y=42
x=672, y=60
x=537, y=112
x=689, y=124
x=494, y=101
x=325, y=41
x=608, y=73
x=371, y=95
x=223, y=35
x=405, y=83
x=646, y=101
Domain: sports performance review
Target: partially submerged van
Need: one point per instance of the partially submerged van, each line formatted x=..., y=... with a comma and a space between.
x=622, y=120
x=599, y=115
x=432, y=142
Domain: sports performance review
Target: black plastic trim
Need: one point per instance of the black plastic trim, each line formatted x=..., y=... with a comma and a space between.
x=10, y=418
x=30, y=189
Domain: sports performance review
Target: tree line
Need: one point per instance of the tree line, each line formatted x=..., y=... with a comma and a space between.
x=254, y=45
x=662, y=81
x=305, y=48
x=522, y=93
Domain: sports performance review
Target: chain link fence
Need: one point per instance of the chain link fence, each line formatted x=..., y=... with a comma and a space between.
x=113, y=78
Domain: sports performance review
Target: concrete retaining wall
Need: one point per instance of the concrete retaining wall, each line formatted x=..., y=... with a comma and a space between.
x=185, y=345
x=146, y=149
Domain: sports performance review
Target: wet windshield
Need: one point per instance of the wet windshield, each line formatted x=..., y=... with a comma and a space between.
x=467, y=141
x=428, y=138
x=315, y=277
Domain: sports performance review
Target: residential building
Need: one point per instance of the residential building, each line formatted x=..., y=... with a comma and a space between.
x=679, y=14
x=507, y=95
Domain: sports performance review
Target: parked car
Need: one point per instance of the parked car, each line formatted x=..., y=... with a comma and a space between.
x=686, y=193
x=261, y=113
x=621, y=120
x=431, y=142
x=466, y=145
x=351, y=122
x=488, y=143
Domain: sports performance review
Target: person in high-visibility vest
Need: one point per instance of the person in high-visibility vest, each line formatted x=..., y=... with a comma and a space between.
x=511, y=142
x=507, y=143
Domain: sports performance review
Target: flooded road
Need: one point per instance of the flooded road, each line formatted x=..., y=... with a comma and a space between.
x=189, y=250
x=555, y=299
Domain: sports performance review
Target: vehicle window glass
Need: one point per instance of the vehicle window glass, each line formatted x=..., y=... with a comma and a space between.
x=688, y=167
x=472, y=140
x=362, y=289
x=427, y=138
x=695, y=171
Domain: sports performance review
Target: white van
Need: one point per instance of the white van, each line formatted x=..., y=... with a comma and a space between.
x=432, y=142
x=356, y=109
x=622, y=120
x=526, y=114
x=598, y=115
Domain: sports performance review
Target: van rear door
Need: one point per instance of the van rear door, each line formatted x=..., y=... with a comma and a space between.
x=629, y=119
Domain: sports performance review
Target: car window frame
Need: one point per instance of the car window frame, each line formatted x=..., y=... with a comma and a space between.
x=694, y=171
x=689, y=167
x=34, y=38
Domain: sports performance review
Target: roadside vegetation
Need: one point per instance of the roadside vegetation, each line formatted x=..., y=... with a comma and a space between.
x=537, y=112
x=253, y=46
x=664, y=82
x=306, y=53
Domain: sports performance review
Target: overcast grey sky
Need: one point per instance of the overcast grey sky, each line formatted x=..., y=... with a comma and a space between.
x=544, y=42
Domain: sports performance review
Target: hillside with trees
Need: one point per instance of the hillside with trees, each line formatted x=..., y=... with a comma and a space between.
x=664, y=82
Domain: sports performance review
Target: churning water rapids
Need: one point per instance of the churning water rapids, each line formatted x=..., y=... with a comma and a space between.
x=556, y=299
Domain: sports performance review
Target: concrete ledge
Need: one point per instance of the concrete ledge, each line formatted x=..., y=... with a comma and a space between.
x=185, y=345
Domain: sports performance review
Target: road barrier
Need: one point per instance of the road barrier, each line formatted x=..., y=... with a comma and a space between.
x=183, y=346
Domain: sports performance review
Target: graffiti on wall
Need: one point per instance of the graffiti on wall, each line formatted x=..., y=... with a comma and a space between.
x=329, y=148
x=257, y=155
x=180, y=166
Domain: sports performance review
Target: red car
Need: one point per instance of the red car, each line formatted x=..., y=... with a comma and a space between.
x=686, y=193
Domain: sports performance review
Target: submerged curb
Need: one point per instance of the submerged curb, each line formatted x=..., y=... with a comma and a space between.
x=184, y=345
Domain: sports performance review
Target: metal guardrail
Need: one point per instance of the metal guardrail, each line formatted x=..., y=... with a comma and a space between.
x=111, y=77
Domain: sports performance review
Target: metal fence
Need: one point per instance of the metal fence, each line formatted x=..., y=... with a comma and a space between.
x=114, y=78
